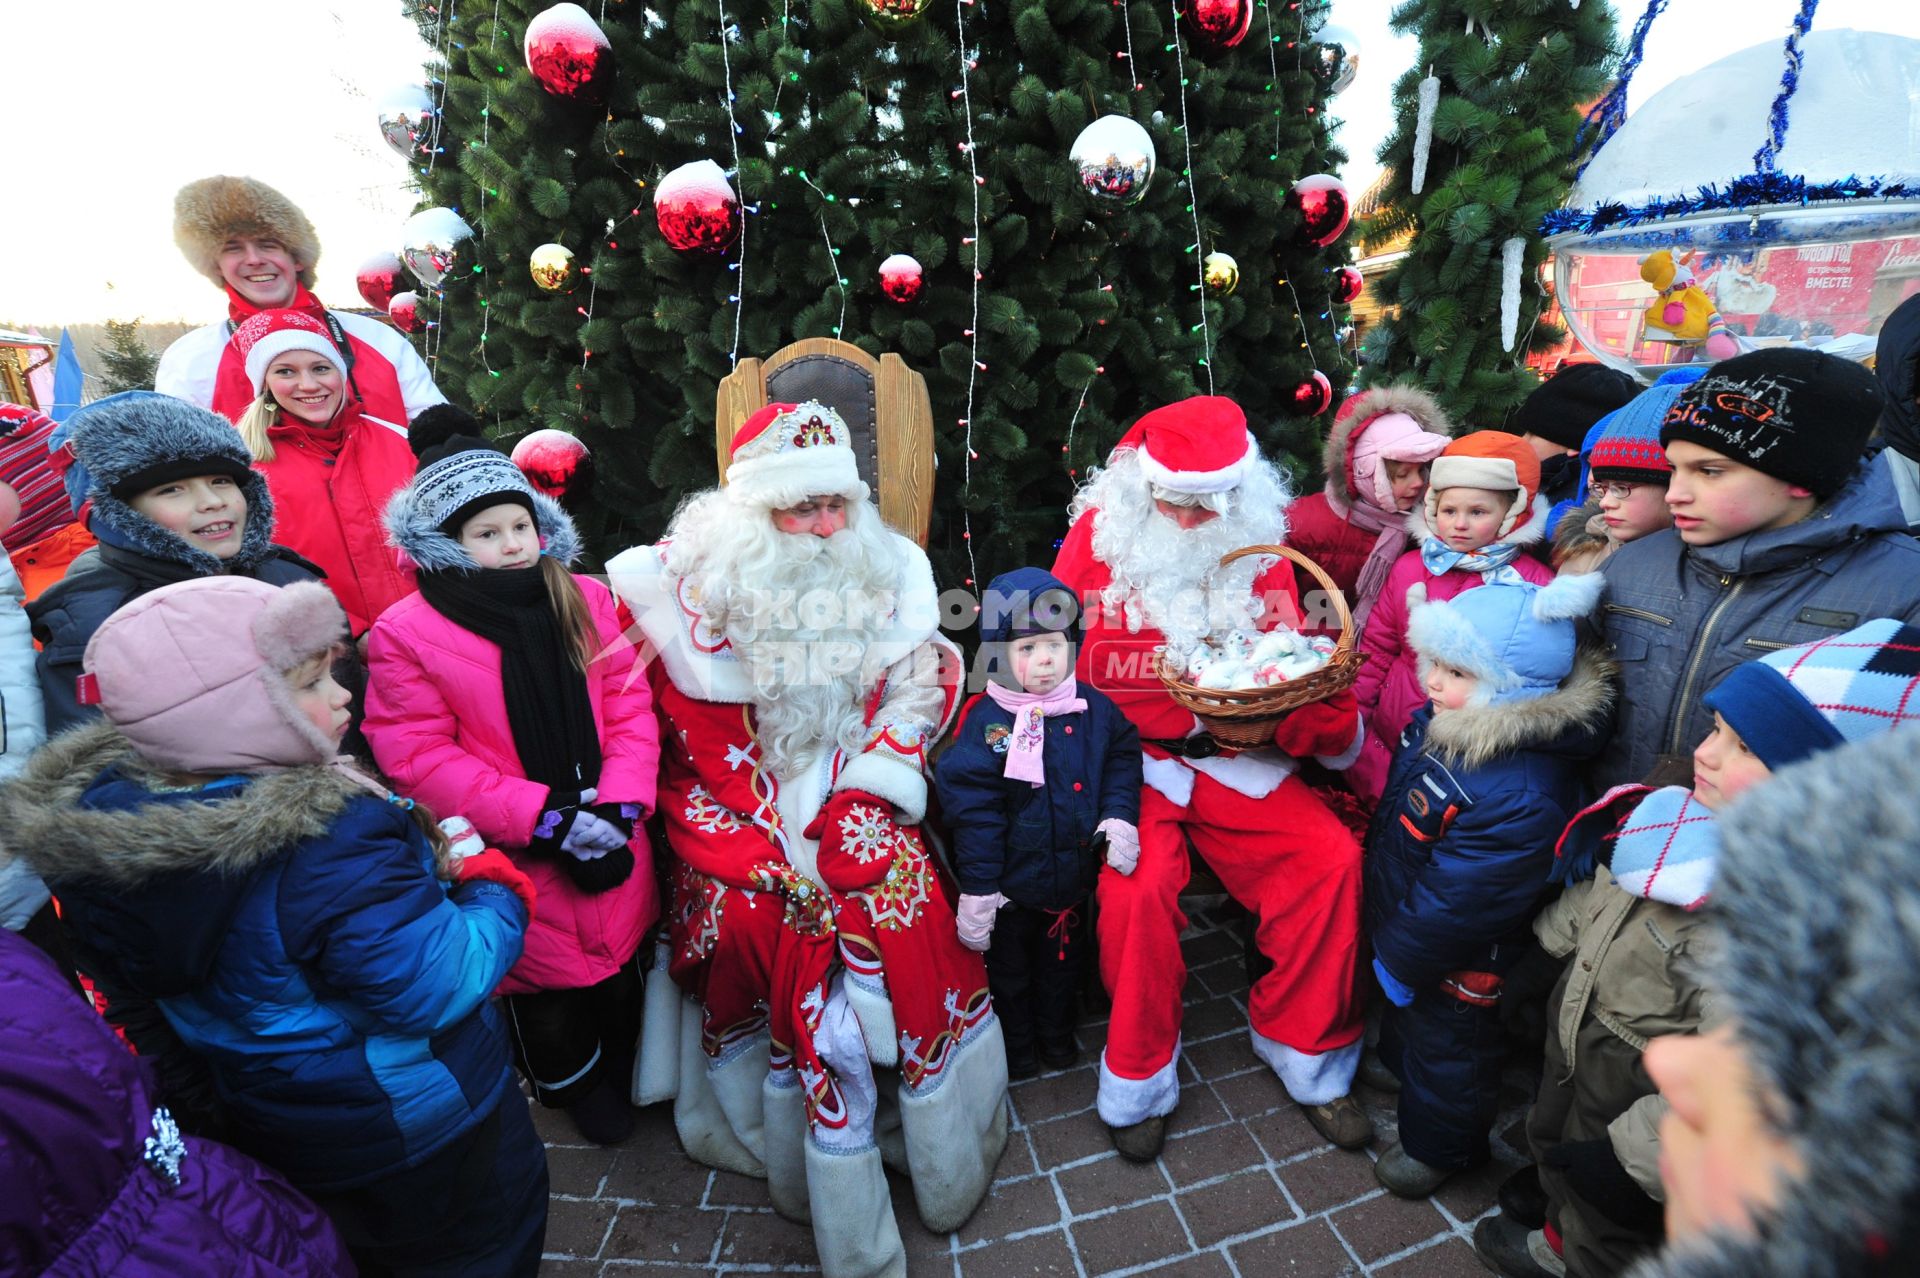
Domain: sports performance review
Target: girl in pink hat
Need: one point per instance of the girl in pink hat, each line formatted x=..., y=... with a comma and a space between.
x=1376, y=461
x=313, y=938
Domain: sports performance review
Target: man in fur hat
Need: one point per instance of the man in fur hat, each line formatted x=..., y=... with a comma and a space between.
x=256, y=244
x=804, y=678
x=1185, y=486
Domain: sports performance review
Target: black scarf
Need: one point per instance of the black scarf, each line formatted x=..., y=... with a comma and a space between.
x=547, y=704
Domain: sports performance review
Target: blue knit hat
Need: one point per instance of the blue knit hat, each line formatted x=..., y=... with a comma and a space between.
x=1802, y=700
x=1629, y=448
x=1516, y=638
x=1028, y=601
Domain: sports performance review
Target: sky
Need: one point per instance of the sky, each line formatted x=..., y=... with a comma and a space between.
x=120, y=102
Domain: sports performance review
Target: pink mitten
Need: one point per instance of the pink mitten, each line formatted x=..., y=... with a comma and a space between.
x=1123, y=844
x=975, y=919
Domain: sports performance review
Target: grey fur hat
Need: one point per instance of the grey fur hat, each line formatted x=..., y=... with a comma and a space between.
x=137, y=439
x=1819, y=905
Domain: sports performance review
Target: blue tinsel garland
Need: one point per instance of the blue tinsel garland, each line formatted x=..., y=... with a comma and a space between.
x=1753, y=191
x=1611, y=111
x=1763, y=159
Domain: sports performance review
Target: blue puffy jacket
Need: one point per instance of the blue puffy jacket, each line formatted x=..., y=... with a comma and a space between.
x=1461, y=845
x=292, y=930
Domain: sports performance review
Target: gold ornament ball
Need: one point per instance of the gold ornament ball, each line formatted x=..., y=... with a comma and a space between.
x=551, y=266
x=890, y=18
x=1222, y=274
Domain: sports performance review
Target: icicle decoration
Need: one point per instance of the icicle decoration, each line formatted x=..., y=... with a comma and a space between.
x=1423, y=128
x=1512, y=254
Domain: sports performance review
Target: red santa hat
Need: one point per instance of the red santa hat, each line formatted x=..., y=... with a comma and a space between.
x=786, y=453
x=1197, y=445
x=267, y=335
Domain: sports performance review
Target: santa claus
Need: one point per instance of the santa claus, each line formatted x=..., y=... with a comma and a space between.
x=1185, y=486
x=803, y=677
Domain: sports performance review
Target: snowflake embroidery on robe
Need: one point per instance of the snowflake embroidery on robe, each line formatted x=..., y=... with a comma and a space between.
x=896, y=902
x=709, y=813
x=868, y=833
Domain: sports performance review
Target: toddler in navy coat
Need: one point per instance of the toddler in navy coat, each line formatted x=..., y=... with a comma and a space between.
x=1040, y=782
x=1486, y=775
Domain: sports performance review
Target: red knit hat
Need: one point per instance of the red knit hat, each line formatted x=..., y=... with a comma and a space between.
x=1490, y=459
x=268, y=334
x=786, y=453
x=1197, y=445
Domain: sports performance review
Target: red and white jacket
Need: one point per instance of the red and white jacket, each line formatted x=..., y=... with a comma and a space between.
x=394, y=382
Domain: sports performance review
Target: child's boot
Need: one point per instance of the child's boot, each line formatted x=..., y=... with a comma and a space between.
x=1406, y=1175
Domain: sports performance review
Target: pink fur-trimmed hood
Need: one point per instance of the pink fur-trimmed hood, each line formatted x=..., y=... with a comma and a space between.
x=194, y=674
x=1339, y=457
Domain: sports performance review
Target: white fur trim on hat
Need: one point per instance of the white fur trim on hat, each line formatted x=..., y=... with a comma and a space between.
x=807, y=452
x=1222, y=480
x=278, y=343
x=1495, y=474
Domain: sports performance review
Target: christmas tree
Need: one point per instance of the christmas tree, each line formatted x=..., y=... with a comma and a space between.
x=1504, y=83
x=125, y=362
x=854, y=130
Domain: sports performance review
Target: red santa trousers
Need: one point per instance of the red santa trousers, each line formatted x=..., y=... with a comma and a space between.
x=1288, y=860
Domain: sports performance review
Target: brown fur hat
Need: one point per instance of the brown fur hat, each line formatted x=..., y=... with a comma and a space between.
x=209, y=212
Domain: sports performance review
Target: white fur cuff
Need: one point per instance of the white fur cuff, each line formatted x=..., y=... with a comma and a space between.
x=1345, y=759
x=1126, y=1101
x=1310, y=1079
x=901, y=784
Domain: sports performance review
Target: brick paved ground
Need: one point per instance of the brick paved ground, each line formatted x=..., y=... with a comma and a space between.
x=1244, y=1186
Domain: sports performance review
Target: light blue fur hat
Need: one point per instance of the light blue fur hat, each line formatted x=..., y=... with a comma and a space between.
x=1517, y=639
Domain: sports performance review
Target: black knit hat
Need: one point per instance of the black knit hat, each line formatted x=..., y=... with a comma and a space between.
x=1567, y=404
x=460, y=472
x=1797, y=415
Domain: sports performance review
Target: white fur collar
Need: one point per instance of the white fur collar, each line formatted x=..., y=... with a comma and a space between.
x=703, y=665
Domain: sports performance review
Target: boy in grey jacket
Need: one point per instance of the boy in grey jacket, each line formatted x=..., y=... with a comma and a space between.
x=1781, y=536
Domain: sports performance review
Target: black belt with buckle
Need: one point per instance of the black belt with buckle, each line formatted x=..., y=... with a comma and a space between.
x=1195, y=747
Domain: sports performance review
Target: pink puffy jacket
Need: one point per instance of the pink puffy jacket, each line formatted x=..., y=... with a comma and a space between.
x=437, y=722
x=1389, y=688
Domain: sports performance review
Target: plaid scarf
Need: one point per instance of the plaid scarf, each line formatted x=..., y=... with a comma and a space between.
x=1666, y=848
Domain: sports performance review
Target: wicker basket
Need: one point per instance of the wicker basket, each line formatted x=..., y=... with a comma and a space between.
x=1242, y=718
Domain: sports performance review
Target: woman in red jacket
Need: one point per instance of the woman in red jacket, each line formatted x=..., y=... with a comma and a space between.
x=330, y=466
x=505, y=691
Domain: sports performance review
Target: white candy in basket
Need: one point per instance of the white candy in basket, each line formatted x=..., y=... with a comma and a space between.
x=1242, y=661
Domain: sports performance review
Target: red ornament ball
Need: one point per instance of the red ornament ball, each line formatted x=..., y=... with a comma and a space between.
x=1323, y=206
x=901, y=279
x=568, y=54
x=1311, y=397
x=1347, y=284
x=697, y=209
x=1217, y=25
x=378, y=277
x=555, y=462
x=404, y=311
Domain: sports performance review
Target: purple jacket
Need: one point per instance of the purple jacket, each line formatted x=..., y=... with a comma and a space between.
x=80, y=1194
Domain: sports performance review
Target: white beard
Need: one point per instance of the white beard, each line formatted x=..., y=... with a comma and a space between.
x=801, y=613
x=1167, y=578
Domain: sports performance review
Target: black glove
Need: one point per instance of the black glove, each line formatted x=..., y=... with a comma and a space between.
x=556, y=818
x=603, y=873
x=1525, y=988
x=1594, y=1172
x=620, y=815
